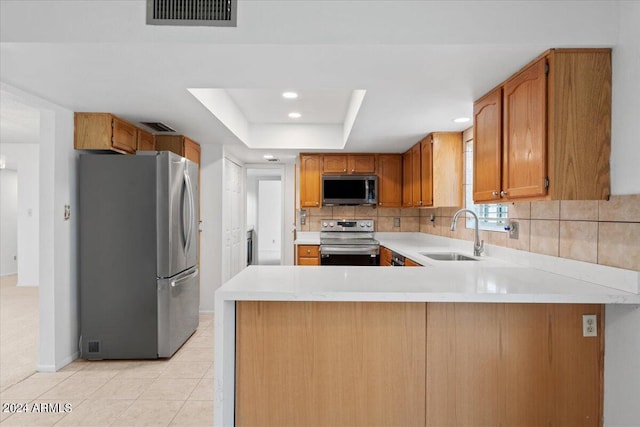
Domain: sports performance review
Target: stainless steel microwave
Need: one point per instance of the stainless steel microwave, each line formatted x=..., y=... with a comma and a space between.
x=349, y=190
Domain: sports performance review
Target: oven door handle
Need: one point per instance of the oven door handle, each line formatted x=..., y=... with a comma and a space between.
x=349, y=250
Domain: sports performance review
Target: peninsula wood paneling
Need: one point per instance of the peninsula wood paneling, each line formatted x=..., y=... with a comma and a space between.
x=330, y=364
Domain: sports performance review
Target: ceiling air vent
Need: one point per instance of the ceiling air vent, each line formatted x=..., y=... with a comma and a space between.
x=158, y=126
x=220, y=13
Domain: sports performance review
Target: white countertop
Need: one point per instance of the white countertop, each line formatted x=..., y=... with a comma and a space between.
x=491, y=279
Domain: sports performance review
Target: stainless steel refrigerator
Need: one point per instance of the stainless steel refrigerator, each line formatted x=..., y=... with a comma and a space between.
x=138, y=254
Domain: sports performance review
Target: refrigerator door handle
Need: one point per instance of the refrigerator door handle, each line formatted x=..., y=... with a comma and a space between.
x=176, y=282
x=187, y=181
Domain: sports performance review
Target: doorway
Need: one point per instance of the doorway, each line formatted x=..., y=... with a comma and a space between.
x=265, y=215
x=19, y=240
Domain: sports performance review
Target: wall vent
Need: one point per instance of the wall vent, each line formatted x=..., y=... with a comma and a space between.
x=220, y=13
x=158, y=126
x=93, y=347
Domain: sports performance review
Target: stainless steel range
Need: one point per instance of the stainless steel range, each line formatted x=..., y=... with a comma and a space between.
x=348, y=242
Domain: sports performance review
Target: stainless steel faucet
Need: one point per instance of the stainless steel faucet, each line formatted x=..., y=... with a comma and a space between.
x=478, y=245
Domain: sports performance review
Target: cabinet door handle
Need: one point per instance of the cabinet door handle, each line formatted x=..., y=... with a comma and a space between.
x=503, y=193
x=353, y=170
x=344, y=170
x=380, y=203
x=494, y=194
x=308, y=251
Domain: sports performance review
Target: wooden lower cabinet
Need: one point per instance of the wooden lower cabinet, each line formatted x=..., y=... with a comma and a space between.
x=385, y=257
x=308, y=255
x=435, y=364
x=330, y=364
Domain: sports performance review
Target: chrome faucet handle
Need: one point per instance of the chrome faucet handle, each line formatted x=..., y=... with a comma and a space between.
x=478, y=249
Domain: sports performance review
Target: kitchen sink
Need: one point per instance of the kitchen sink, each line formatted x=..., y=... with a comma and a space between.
x=447, y=256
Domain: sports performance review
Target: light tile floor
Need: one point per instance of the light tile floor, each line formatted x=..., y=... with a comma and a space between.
x=174, y=392
x=19, y=325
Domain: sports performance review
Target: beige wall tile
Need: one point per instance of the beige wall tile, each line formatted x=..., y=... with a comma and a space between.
x=450, y=211
x=545, y=236
x=315, y=222
x=409, y=212
x=410, y=223
x=620, y=208
x=149, y=413
x=366, y=212
x=344, y=212
x=496, y=238
x=579, y=240
x=170, y=389
x=619, y=244
x=545, y=210
x=520, y=210
x=581, y=210
x=524, y=233
x=194, y=413
x=427, y=212
x=385, y=224
x=388, y=212
x=306, y=226
x=325, y=211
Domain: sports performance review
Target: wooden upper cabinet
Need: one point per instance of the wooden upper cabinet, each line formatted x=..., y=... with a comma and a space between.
x=447, y=169
x=487, y=147
x=335, y=163
x=146, y=141
x=426, y=171
x=180, y=145
x=104, y=131
x=361, y=163
x=390, y=180
x=525, y=122
x=407, y=180
x=310, y=180
x=434, y=175
x=556, y=130
x=349, y=163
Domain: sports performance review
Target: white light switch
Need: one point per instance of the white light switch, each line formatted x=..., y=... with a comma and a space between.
x=589, y=325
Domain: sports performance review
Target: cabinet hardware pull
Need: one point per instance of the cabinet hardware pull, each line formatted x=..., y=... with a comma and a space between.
x=494, y=194
x=503, y=193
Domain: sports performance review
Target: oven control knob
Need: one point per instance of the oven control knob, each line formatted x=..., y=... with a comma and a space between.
x=369, y=224
x=324, y=224
x=330, y=224
x=362, y=224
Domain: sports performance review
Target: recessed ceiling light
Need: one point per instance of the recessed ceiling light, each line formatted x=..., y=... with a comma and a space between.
x=269, y=156
x=462, y=120
x=289, y=95
x=295, y=115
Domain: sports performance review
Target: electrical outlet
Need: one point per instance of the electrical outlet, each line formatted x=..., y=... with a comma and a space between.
x=589, y=325
x=396, y=222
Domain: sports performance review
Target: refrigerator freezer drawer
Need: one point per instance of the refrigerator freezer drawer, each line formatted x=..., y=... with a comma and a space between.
x=178, y=310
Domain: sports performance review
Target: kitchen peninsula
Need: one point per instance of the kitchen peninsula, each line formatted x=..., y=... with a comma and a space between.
x=494, y=341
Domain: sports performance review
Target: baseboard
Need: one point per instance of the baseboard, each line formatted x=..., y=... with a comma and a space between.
x=206, y=312
x=64, y=362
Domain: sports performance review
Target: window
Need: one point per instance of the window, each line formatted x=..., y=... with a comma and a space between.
x=494, y=216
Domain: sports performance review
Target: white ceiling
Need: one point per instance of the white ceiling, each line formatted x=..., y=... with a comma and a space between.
x=422, y=63
x=268, y=106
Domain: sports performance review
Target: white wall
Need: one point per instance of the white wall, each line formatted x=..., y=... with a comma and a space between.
x=26, y=159
x=211, y=216
x=625, y=126
x=269, y=215
x=622, y=323
x=59, y=329
x=8, y=222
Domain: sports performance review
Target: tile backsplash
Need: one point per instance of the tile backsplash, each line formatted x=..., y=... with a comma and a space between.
x=596, y=231
x=602, y=232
